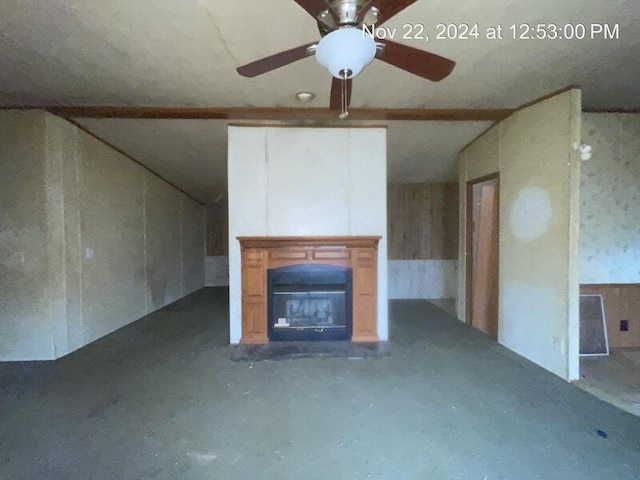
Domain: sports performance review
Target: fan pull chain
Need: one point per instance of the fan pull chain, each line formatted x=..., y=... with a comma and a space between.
x=345, y=102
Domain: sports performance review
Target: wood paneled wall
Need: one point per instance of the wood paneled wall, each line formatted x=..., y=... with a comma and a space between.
x=422, y=221
x=218, y=229
x=621, y=302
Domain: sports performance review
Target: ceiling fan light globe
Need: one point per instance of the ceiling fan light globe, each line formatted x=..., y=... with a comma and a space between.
x=346, y=49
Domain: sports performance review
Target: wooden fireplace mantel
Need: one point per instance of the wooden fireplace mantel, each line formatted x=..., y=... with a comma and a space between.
x=259, y=254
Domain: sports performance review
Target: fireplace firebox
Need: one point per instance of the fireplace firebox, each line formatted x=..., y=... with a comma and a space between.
x=309, y=302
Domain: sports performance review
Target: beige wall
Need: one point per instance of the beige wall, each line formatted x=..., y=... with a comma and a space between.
x=539, y=185
x=112, y=238
x=610, y=199
x=217, y=261
x=92, y=241
x=306, y=181
x=26, y=253
x=217, y=215
x=163, y=209
x=192, y=231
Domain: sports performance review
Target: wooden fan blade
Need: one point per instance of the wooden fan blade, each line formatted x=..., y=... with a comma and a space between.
x=336, y=94
x=388, y=9
x=278, y=60
x=314, y=7
x=423, y=64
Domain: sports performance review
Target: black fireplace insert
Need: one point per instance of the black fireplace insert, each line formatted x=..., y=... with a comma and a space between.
x=309, y=302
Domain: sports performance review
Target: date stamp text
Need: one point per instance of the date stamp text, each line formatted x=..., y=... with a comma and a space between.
x=514, y=31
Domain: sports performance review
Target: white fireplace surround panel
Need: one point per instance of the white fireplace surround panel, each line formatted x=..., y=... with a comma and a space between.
x=308, y=182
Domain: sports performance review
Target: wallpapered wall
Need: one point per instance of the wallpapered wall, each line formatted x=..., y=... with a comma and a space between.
x=610, y=199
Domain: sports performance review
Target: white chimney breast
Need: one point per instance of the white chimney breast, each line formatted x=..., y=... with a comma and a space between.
x=306, y=181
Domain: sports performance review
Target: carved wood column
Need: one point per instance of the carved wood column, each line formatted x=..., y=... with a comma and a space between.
x=254, y=296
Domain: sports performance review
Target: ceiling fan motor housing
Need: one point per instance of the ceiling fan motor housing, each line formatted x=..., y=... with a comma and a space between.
x=346, y=51
x=347, y=10
x=345, y=13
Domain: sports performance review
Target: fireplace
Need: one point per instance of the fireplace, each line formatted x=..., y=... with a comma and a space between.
x=309, y=288
x=309, y=302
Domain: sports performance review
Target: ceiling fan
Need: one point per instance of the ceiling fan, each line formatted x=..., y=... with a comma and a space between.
x=346, y=48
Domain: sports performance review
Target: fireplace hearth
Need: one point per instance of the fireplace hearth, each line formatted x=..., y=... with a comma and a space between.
x=309, y=303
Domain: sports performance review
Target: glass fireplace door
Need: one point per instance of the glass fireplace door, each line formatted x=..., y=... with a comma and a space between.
x=310, y=307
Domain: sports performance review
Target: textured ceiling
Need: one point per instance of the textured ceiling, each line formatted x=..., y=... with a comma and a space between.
x=426, y=151
x=184, y=53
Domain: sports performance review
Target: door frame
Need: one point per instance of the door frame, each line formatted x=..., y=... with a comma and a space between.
x=469, y=258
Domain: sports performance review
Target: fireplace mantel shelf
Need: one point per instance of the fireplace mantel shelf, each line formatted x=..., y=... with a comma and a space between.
x=280, y=242
x=259, y=254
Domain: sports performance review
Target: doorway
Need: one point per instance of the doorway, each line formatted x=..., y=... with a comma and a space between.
x=482, y=230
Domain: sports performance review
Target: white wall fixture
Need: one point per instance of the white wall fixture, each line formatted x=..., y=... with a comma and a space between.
x=586, y=151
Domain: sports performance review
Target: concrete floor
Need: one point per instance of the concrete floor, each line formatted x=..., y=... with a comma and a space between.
x=614, y=378
x=160, y=399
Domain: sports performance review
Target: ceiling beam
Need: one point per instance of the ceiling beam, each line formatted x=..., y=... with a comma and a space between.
x=278, y=114
x=611, y=110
